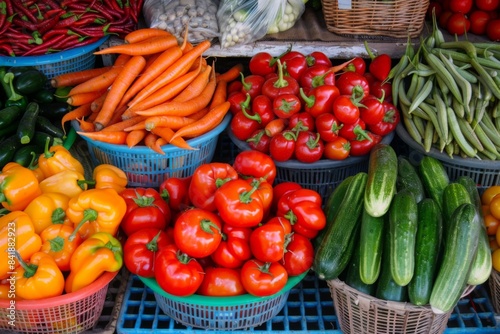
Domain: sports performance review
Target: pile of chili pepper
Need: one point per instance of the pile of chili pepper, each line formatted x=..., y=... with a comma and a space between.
x=65, y=227
x=30, y=28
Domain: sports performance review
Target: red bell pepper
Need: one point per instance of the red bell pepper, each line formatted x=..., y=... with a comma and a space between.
x=390, y=121
x=262, y=106
x=320, y=99
x=234, y=248
x=255, y=164
x=282, y=84
x=328, y=126
x=252, y=84
x=259, y=141
x=380, y=65
x=363, y=146
x=309, y=147
x=286, y=105
x=295, y=64
x=174, y=191
x=282, y=145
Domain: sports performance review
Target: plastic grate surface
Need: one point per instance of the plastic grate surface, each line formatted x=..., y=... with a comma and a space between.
x=309, y=309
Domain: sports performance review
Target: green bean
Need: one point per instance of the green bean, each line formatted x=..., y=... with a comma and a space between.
x=492, y=133
x=443, y=87
x=420, y=113
x=428, y=136
x=495, y=110
x=441, y=114
x=465, y=86
x=431, y=115
x=466, y=74
x=488, y=80
x=469, y=134
x=445, y=75
x=412, y=130
x=412, y=88
x=403, y=98
x=485, y=140
x=421, y=95
x=466, y=46
x=398, y=81
x=456, y=55
x=449, y=149
x=420, y=125
x=460, y=109
x=458, y=135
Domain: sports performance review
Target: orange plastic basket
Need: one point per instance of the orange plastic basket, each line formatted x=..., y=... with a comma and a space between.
x=69, y=313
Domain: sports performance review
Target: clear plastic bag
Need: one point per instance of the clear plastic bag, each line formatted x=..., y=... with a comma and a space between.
x=174, y=16
x=245, y=21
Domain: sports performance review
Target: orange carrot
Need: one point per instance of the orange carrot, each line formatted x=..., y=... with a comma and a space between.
x=180, y=67
x=182, y=108
x=125, y=124
x=167, y=58
x=137, y=126
x=150, y=140
x=84, y=98
x=167, y=134
x=96, y=105
x=159, y=142
x=79, y=112
x=141, y=48
x=135, y=137
x=206, y=123
x=275, y=126
x=92, y=116
x=85, y=126
x=199, y=62
x=232, y=74
x=196, y=87
x=110, y=137
x=117, y=116
x=71, y=79
x=99, y=82
x=199, y=114
x=173, y=122
x=220, y=94
x=144, y=33
x=127, y=75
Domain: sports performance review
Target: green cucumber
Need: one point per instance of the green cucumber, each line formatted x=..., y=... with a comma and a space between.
x=8, y=148
x=387, y=288
x=408, y=178
x=434, y=178
x=370, y=239
x=26, y=128
x=403, y=220
x=454, y=195
x=381, y=183
x=353, y=278
x=471, y=188
x=334, y=251
x=427, y=248
x=460, y=246
x=30, y=81
x=46, y=125
x=10, y=115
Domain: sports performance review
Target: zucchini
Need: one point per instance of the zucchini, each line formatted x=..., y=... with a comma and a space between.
x=381, y=183
x=370, y=239
x=8, y=149
x=334, y=251
x=434, y=178
x=427, y=248
x=26, y=127
x=408, y=178
x=353, y=278
x=30, y=81
x=9, y=115
x=387, y=288
x=55, y=110
x=460, y=248
x=45, y=125
x=43, y=96
x=403, y=220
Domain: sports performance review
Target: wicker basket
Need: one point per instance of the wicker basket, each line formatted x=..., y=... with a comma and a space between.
x=360, y=313
x=363, y=18
x=494, y=284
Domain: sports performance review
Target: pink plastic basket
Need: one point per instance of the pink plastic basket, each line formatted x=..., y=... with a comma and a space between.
x=69, y=313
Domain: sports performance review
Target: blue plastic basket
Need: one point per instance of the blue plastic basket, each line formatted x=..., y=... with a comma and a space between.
x=71, y=60
x=147, y=168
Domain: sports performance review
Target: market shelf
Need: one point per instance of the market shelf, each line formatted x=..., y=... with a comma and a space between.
x=309, y=309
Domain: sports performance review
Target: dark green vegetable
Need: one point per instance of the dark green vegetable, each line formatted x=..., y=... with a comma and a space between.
x=61, y=94
x=353, y=278
x=371, y=246
x=43, y=96
x=30, y=82
x=408, y=179
x=46, y=125
x=10, y=115
x=55, y=110
x=13, y=97
x=8, y=148
x=18, y=70
x=8, y=131
x=27, y=124
x=23, y=155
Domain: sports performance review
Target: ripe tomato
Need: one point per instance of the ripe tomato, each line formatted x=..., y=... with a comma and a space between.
x=487, y=5
x=495, y=257
x=268, y=241
x=491, y=223
x=221, y=282
x=443, y=18
x=493, y=30
x=478, y=22
x=337, y=149
x=489, y=193
x=263, y=278
x=299, y=255
x=458, y=24
x=461, y=6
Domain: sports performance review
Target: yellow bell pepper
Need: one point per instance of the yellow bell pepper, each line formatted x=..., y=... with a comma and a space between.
x=34, y=168
x=57, y=159
x=18, y=187
x=17, y=233
x=96, y=210
x=109, y=176
x=99, y=253
x=40, y=278
x=56, y=243
x=48, y=209
x=68, y=182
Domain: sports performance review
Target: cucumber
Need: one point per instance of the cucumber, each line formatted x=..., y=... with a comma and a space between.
x=334, y=251
x=381, y=183
x=403, y=220
x=371, y=246
x=26, y=128
x=460, y=248
x=408, y=178
x=454, y=195
x=471, y=188
x=353, y=278
x=434, y=178
x=427, y=248
x=45, y=125
x=10, y=115
x=387, y=288
x=8, y=149
x=30, y=81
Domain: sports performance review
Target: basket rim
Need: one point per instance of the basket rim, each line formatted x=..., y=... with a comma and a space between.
x=51, y=58
x=64, y=299
x=435, y=153
x=320, y=164
x=168, y=148
x=151, y=283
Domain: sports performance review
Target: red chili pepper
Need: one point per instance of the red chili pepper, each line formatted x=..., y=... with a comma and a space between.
x=45, y=46
x=3, y=13
x=67, y=21
x=364, y=146
x=252, y=84
x=320, y=99
x=17, y=21
x=7, y=49
x=48, y=23
x=25, y=11
x=57, y=32
x=52, y=4
x=90, y=19
x=380, y=65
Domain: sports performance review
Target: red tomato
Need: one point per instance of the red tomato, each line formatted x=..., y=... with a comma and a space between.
x=281, y=189
x=255, y=164
x=288, y=200
x=221, y=282
x=234, y=248
x=299, y=255
x=353, y=84
x=487, y=5
x=268, y=241
x=263, y=279
x=461, y=6
x=198, y=232
x=338, y=149
x=478, y=22
x=262, y=63
x=493, y=30
x=458, y=24
x=436, y=7
x=443, y=18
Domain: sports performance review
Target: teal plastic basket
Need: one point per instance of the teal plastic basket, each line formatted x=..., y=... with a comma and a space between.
x=71, y=60
x=147, y=168
x=221, y=313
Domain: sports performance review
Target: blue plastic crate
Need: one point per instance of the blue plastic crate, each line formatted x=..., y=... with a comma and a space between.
x=309, y=309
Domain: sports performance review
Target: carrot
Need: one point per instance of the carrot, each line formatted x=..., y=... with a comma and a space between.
x=167, y=134
x=125, y=124
x=203, y=125
x=79, y=112
x=122, y=82
x=159, y=142
x=84, y=98
x=99, y=82
x=232, y=74
x=156, y=68
x=180, y=67
x=96, y=105
x=275, y=126
x=144, y=33
x=91, y=117
x=195, y=87
x=117, y=116
x=137, y=126
x=141, y=48
x=135, y=137
x=173, y=122
x=220, y=94
x=71, y=79
x=182, y=108
x=150, y=140
x=85, y=126
x=199, y=114
x=168, y=91
x=110, y=137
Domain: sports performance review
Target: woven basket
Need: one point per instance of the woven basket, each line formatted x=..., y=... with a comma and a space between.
x=494, y=284
x=367, y=18
x=359, y=313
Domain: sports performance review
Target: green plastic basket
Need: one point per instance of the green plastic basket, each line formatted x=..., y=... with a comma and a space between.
x=221, y=313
